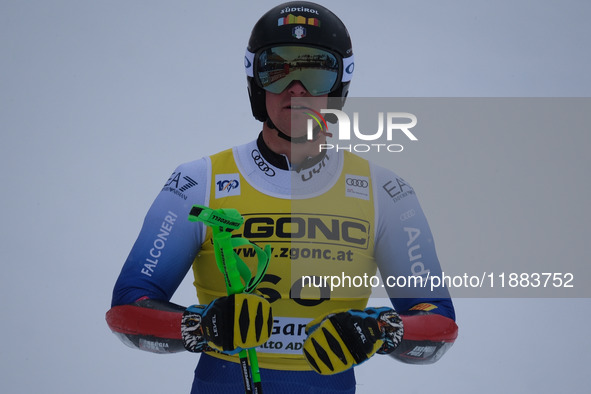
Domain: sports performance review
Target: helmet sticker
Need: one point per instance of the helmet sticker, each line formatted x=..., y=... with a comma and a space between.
x=299, y=32
x=301, y=20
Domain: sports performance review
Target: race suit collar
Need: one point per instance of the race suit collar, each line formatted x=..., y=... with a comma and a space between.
x=281, y=161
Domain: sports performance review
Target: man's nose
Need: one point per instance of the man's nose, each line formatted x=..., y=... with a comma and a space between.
x=297, y=89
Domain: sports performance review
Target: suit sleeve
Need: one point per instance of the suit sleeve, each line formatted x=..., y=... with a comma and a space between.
x=141, y=314
x=405, y=248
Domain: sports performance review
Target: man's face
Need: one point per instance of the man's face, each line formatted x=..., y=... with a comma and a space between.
x=292, y=120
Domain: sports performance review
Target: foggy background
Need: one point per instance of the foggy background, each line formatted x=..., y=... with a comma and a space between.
x=101, y=100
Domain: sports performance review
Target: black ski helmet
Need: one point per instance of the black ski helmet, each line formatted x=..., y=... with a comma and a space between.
x=324, y=30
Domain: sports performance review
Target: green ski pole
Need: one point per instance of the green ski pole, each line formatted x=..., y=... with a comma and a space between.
x=236, y=273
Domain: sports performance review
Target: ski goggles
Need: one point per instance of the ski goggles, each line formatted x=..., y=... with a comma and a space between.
x=320, y=71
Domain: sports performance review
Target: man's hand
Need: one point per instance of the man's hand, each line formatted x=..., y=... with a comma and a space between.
x=228, y=324
x=342, y=340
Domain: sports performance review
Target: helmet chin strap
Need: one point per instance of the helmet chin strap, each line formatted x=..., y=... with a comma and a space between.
x=297, y=140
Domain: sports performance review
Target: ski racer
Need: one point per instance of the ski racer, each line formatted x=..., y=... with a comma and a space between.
x=321, y=212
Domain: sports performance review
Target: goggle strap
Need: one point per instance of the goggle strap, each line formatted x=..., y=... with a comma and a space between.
x=348, y=67
x=249, y=63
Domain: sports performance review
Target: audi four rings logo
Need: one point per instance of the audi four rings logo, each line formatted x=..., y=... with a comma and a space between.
x=357, y=182
x=260, y=162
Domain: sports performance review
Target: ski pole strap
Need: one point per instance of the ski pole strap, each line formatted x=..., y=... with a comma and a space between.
x=236, y=273
x=263, y=256
x=227, y=263
x=223, y=218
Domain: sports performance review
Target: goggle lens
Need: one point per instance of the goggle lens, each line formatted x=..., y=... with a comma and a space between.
x=317, y=69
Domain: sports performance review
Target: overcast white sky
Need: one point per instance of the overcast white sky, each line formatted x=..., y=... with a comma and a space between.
x=100, y=100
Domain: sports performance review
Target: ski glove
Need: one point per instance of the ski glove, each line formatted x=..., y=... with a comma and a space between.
x=342, y=340
x=228, y=324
